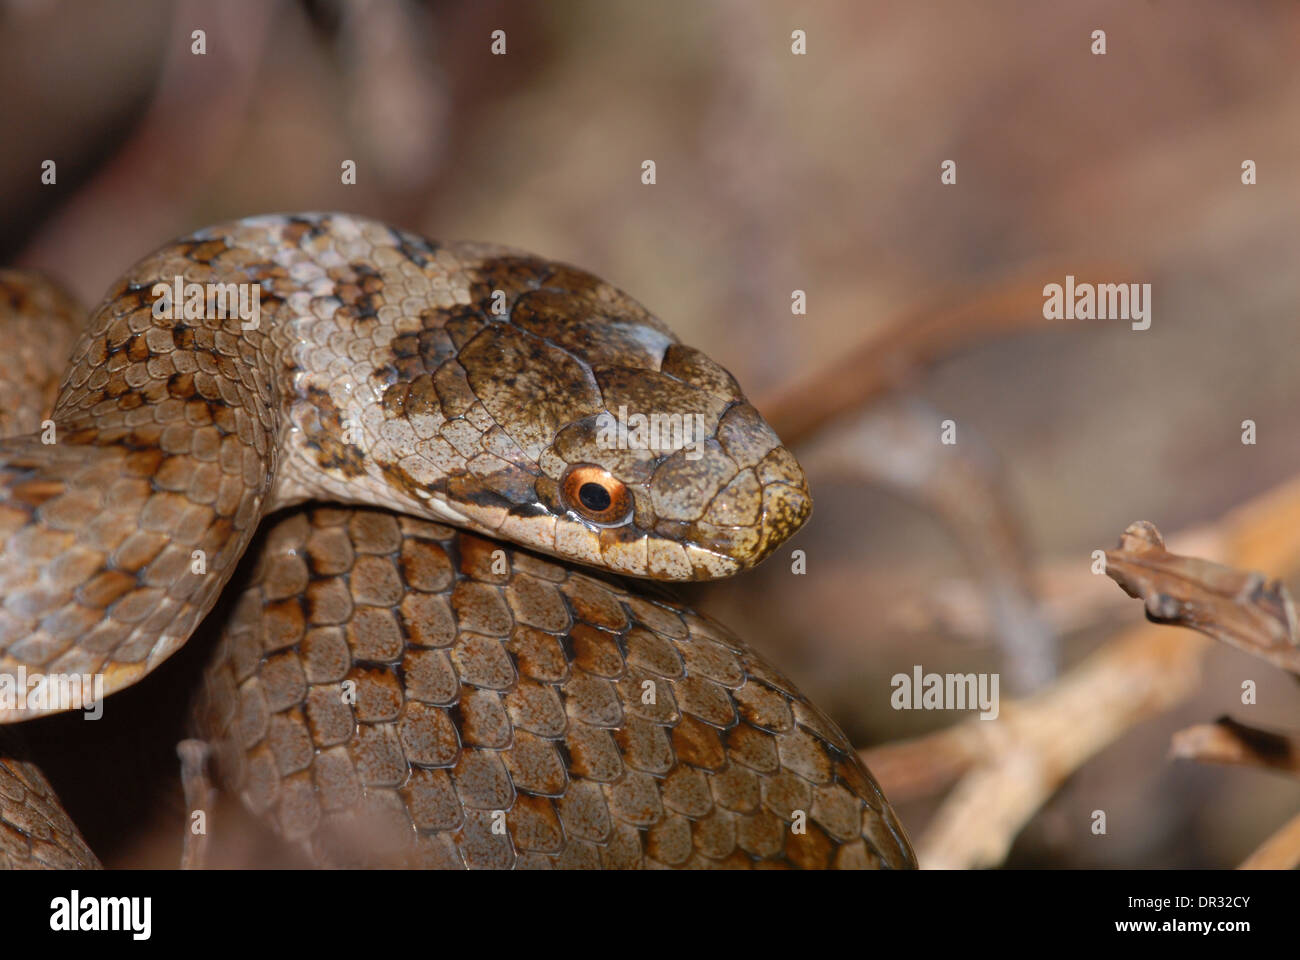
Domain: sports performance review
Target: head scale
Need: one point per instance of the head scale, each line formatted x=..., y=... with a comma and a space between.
x=548, y=408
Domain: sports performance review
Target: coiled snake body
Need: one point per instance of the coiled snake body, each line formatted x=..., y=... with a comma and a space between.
x=432, y=676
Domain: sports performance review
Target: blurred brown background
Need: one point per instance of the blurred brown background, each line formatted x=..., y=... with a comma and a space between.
x=779, y=172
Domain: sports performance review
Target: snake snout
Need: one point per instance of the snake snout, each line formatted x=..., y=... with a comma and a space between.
x=785, y=507
x=731, y=503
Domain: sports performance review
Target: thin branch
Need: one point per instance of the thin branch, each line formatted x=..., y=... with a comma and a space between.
x=200, y=798
x=1069, y=599
x=909, y=769
x=1014, y=765
x=1227, y=741
x=916, y=338
x=1025, y=755
x=897, y=446
x=1240, y=608
x=1281, y=851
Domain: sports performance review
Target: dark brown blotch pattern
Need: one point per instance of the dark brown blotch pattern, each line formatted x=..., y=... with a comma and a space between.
x=517, y=384
x=596, y=727
x=35, y=832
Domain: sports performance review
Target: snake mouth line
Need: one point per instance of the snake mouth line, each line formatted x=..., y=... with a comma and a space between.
x=401, y=659
x=627, y=550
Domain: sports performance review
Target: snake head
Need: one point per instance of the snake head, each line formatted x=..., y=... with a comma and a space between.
x=555, y=411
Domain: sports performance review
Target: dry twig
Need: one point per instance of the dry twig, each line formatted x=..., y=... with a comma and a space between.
x=916, y=338
x=1239, y=608
x=1281, y=851
x=1013, y=766
x=1227, y=741
x=896, y=446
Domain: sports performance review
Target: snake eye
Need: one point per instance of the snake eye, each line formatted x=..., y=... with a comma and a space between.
x=594, y=494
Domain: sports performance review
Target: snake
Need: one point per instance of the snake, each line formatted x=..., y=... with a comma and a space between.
x=397, y=478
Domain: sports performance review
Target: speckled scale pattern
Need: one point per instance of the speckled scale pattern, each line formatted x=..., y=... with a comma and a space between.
x=388, y=690
x=165, y=444
x=30, y=366
x=35, y=832
x=452, y=381
x=495, y=713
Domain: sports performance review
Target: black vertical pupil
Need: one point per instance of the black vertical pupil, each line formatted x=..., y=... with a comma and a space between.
x=594, y=497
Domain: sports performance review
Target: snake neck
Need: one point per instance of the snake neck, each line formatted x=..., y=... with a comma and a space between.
x=261, y=363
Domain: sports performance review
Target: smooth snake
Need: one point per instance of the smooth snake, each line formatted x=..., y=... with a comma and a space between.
x=446, y=667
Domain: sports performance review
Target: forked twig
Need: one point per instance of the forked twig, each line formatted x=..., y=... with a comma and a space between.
x=1008, y=773
x=1010, y=766
x=1240, y=608
x=896, y=446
